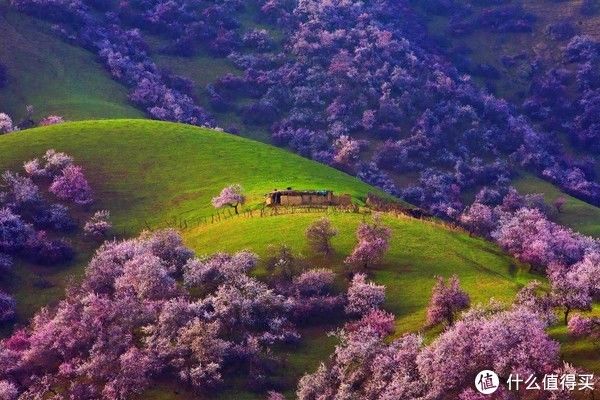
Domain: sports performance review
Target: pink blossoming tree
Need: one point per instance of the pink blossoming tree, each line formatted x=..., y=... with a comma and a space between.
x=580, y=326
x=99, y=225
x=231, y=196
x=373, y=243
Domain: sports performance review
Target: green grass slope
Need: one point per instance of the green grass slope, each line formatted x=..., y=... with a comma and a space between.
x=53, y=76
x=576, y=214
x=419, y=251
x=148, y=172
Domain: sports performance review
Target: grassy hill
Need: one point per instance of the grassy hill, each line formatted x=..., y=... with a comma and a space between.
x=53, y=76
x=156, y=174
x=151, y=172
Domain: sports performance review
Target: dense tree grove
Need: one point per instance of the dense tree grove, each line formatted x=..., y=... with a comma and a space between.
x=565, y=97
x=31, y=225
x=366, y=366
x=124, y=52
x=131, y=321
x=519, y=224
x=357, y=70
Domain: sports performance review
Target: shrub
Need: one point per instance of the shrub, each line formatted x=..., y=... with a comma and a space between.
x=99, y=225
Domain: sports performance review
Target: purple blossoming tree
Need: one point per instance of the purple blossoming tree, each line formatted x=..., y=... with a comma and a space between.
x=364, y=296
x=71, y=185
x=446, y=300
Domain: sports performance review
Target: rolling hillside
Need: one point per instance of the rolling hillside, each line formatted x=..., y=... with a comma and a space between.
x=53, y=76
x=150, y=174
x=156, y=174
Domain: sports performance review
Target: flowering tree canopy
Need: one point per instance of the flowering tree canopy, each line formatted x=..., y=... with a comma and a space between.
x=6, y=123
x=131, y=315
x=364, y=296
x=446, y=300
x=98, y=225
x=581, y=326
x=373, y=242
x=231, y=196
x=364, y=365
x=72, y=185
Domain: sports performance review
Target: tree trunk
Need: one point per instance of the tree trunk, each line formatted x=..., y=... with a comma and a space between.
x=450, y=318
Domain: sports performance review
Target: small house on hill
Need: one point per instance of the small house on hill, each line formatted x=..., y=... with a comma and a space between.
x=290, y=197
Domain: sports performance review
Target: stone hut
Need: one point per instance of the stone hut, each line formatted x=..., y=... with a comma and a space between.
x=290, y=197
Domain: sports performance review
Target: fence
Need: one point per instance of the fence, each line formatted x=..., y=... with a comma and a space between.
x=185, y=223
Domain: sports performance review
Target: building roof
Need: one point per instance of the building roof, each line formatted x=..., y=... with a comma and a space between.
x=301, y=192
